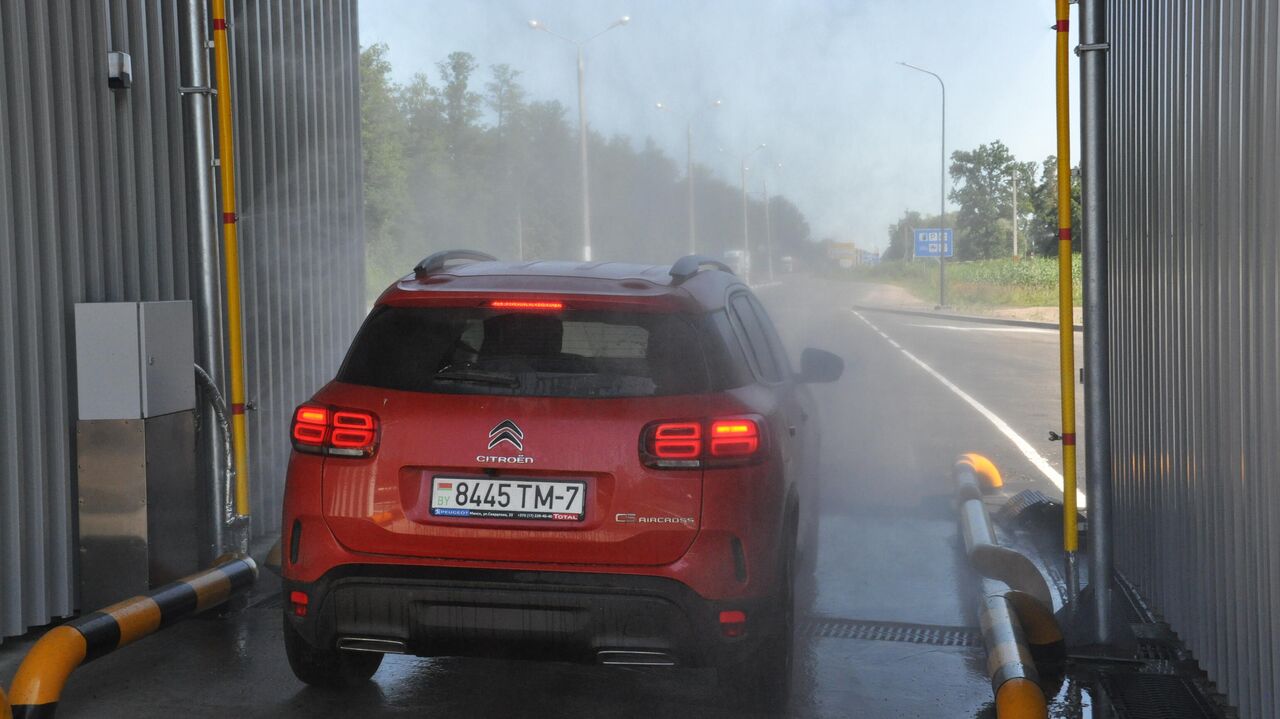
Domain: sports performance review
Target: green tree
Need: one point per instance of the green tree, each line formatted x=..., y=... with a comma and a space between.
x=448, y=167
x=382, y=135
x=984, y=192
x=504, y=94
x=1042, y=235
x=461, y=105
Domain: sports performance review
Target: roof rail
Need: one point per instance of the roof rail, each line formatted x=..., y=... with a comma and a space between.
x=690, y=265
x=437, y=261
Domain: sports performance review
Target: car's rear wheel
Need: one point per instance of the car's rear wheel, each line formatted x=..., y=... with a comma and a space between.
x=329, y=668
x=760, y=677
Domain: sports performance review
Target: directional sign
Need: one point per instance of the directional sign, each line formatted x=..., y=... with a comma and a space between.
x=934, y=243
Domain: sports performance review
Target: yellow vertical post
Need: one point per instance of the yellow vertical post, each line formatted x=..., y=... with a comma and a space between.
x=231, y=251
x=1066, y=329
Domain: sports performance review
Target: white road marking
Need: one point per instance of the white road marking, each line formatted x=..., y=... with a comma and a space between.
x=1042, y=464
x=955, y=328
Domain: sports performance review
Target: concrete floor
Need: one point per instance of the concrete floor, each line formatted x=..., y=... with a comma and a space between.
x=889, y=552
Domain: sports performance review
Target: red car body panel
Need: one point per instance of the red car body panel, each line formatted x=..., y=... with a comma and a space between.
x=720, y=531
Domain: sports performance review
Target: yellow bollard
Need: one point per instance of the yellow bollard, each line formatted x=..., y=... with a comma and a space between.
x=985, y=469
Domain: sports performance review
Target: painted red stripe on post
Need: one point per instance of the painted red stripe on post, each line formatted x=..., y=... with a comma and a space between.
x=237, y=408
x=1064, y=234
x=219, y=24
x=1068, y=439
x=1062, y=25
x=229, y=218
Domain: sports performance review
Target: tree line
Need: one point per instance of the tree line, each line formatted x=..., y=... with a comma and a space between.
x=454, y=162
x=982, y=191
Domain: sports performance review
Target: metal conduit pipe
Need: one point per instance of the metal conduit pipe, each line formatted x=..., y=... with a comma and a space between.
x=206, y=268
x=1097, y=353
x=219, y=407
x=38, y=685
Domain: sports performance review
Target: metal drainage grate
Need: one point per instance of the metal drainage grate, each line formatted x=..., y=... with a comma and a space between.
x=1155, y=696
x=943, y=636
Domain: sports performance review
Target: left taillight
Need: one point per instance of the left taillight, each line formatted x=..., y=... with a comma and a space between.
x=337, y=431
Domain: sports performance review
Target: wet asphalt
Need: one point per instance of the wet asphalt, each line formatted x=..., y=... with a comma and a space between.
x=889, y=556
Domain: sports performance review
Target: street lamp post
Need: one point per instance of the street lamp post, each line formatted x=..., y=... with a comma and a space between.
x=768, y=223
x=582, y=123
x=768, y=228
x=693, y=240
x=942, y=183
x=1015, y=213
x=746, y=237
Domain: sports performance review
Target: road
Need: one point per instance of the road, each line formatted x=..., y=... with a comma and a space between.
x=890, y=633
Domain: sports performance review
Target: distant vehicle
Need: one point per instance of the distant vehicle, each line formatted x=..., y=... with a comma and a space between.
x=787, y=264
x=556, y=460
x=739, y=262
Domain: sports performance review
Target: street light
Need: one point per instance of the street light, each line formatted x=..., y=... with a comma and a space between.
x=1015, y=213
x=746, y=242
x=582, y=123
x=693, y=242
x=942, y=183
x=768, y=223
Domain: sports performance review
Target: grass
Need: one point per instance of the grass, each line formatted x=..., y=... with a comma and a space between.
x=1025, y=282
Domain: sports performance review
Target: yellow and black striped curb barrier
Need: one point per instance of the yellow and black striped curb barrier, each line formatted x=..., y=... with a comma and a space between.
x=1014, y=679
x=44, y=671
x=1016, y=608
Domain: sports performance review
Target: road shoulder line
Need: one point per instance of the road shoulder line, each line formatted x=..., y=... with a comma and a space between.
x=1022, y=444
x=964, y=318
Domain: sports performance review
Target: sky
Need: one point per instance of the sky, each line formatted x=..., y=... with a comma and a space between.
x=856, y=134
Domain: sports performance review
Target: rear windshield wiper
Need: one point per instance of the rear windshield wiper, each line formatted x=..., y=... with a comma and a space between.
x=476, y=376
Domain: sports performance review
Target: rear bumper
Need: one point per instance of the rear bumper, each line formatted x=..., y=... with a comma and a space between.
x=581, y=617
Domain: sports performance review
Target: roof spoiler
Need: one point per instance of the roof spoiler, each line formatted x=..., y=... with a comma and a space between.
x=690, y=265
x=437, y=261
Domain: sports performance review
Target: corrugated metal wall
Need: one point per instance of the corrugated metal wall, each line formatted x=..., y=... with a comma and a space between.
x=93, y=208
x=1194, y=185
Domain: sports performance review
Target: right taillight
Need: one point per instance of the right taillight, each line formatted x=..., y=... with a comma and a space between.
x=734, y=437
x=693, y=444
x=335, y=431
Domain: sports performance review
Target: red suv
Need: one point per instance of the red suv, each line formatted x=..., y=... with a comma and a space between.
x=595, y=462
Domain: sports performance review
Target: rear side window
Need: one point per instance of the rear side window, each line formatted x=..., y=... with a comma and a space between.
x=572, y=353
x=761, y=354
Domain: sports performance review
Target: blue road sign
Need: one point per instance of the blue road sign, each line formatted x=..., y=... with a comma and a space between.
x=934, y=243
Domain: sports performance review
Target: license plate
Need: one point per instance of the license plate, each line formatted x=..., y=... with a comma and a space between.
x=508, y=499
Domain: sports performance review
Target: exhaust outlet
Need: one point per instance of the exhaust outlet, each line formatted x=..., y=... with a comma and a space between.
x=634, y=658
x=371, y=644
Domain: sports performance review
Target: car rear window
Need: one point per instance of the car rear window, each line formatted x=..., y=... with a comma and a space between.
x=570, y=353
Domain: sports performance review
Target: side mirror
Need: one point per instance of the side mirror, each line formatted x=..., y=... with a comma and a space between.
x=820, y=366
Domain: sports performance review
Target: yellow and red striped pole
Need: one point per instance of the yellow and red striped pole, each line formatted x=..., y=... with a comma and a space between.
x=231, y=252
x=1066, y=319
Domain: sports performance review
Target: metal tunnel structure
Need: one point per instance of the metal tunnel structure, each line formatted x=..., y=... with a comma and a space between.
x=95, y=206
x=1193, y=173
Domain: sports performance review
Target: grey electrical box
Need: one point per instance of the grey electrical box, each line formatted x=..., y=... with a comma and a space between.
x=134, y=359
x=135, y=447
x=138, y=505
